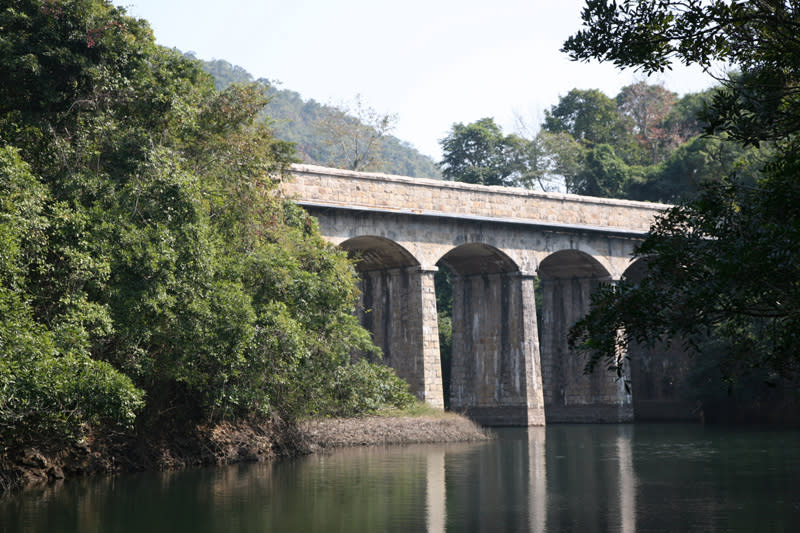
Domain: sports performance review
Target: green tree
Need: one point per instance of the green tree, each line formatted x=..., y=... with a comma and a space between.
x=145, y=245
x=591, y=118
x=550, y=160
x=480, y=153
x=757, y=37
x=684, y=119
x=562, y=158
x=701, y=160
x=724, y=263
x=603, y=173
x=49, y=385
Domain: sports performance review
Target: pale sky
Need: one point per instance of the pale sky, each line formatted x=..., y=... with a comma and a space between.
x=431, y=62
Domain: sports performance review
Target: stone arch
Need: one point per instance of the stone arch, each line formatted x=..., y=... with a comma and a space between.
x=477, y=258
x=580, y=248
x=494, y=374
x=636, y=269
x=573, y=264
x=658, y=373
x=371, y=253
x=398, y=306
x=568, y=278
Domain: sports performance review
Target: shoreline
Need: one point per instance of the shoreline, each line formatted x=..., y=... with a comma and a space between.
x=222, y=444
x=376, y=430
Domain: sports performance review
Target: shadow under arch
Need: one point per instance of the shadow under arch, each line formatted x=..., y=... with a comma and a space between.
x=659, y=373
x=376, y=253
x=477, y=258
x=397, y=305
x=567, y=280
x=494, y=375
x=636, y=271
x=569, y=264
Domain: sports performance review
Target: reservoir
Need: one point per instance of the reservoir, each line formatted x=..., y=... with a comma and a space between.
x=626, y=478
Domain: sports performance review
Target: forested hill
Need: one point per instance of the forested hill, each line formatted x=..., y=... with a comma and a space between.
x=297, y=120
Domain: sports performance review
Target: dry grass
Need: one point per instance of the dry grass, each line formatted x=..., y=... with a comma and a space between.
x=391, y=428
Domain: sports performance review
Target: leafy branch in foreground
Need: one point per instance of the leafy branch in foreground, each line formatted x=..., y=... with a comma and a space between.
x=724, y=264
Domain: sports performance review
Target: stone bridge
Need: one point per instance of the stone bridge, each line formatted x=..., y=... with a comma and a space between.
x=503, y=247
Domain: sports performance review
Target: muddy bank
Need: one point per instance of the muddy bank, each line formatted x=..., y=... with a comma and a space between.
x=164, y=448
x=221, y=444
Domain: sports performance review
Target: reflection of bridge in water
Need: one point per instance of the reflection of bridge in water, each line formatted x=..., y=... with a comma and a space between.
x=496, y=242
x=561, y=478
x=570, y=484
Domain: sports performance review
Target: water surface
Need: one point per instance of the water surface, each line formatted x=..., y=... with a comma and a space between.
x=560, y=478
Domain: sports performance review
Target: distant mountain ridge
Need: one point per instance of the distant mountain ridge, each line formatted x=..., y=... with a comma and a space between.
x=293, y=119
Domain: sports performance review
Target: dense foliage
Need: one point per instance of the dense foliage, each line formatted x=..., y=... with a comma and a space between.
x=48, y=382
x=725, y=264
x=147, y=262
x=644, y=144
x=480, y=153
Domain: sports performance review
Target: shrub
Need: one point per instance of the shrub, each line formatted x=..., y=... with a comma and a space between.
x=363, y=387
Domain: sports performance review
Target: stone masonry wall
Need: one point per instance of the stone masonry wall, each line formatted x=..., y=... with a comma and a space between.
x=495, y=377
x=569, y=394
x=398, y=306
x=417, y=195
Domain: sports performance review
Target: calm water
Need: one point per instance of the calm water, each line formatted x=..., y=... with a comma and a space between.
x=559, y=478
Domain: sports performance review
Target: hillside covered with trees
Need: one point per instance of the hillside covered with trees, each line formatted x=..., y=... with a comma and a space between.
x=317, y=130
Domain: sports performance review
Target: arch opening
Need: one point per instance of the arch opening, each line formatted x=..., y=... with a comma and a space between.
x=659, y=373
x=566, y=264
x=568, y=279
x=394, y=308
x=376, y=253
x=477, y=258
x=491, y=350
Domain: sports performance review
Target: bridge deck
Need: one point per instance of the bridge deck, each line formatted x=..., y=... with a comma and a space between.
x=326, y=187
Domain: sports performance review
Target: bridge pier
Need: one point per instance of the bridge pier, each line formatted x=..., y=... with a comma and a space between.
x=659, y=374
x=570, y=395
x=399, y=308
x=495, y=376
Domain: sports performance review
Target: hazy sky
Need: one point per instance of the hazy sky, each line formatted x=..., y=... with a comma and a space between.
x=432, y=62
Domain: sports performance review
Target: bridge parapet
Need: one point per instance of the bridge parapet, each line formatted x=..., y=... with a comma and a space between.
x=333, y=187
